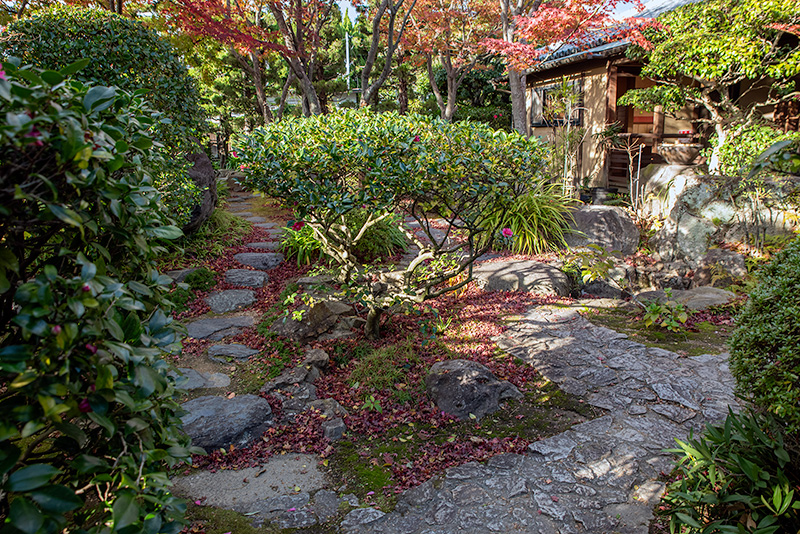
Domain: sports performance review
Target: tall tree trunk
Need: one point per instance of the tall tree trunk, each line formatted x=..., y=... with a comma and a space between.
x=434, y=87
x=258, y=84
x=402, y=93
x=290, y=77
x=519, y=110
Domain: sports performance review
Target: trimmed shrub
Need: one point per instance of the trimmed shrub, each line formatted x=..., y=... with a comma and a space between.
x=452, y=181
x=86, y=406
x=765, y=347
x=124, y=53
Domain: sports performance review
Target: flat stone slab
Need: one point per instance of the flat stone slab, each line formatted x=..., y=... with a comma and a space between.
x=531, y=276
x=265, y=245
x=218, y=328
x=179, y=275
x=246, y=277
x=218, y=422
x=275, y=478
x=230, y=300
x=190, y=379
x=260, y=260
x=256, y=219
x=232, y=350
x=242, y=213
x=697, y=299
x=267, y=225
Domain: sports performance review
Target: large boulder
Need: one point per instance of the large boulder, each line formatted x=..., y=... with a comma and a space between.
x=317, y=320
x=720, y=268
x=218, y=422
x=531, y=276
x=465, y=388
x=203, y=176
x=607, y=226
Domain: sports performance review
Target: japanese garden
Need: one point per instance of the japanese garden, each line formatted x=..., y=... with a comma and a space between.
x=400, y=266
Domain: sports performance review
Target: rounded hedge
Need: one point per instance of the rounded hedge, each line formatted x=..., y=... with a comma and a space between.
x=122, y=52
x=765, y=348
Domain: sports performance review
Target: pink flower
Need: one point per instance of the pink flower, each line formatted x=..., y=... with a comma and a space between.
x=2, y=74
x=507, y=232
x=494, y=116
x=86, y=288
x=56, y=329
x=91, y=348
x=243, y=166
x=298, y=225
x=416, y=139
x=34, y=133
x=292, y=510
x=234, y=154
x=84, y=406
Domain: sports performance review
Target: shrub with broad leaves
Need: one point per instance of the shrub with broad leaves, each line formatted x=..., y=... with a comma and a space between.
x=124, y=53
x=444, y=186
x=87, y=417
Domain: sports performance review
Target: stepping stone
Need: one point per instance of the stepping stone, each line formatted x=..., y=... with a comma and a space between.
x=243, y=213
x=697, y=299
x=190, y=379
x=267, y=225
x=218, y=328
x=232, y=350
x=531, y=276
x=246, y=277
x=260, y=260
x=256, y=219
x=265, y=245
x=218, y=422
x=230, y=300
x=179, y=275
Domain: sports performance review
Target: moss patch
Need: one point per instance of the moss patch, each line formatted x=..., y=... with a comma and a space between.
x=706, y=338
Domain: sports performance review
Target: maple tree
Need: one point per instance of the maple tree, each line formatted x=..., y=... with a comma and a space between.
x=451, y=31
x=533, y=31
x=730, y=58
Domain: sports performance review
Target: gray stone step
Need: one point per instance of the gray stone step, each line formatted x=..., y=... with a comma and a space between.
x=190, y=379
x=265, y=245
x=218, y=422
x=267, y=225
x=230, y=300
x=531, y=276
x=256, y=219
x=246, y=277
x=218, y=328
x=260, y=260
x=230, y=350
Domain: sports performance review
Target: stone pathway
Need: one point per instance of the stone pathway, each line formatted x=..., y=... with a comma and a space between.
x=599, y=476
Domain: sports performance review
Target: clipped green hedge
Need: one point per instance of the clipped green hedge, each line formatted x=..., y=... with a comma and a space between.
x=765, y=347
x=88, y=418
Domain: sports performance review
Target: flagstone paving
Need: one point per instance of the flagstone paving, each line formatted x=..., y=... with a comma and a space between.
x=597, y=477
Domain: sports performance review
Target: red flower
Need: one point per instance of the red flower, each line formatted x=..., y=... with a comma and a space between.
x=91, y=348
x=84, y=406
x=56, y=329
x=416, y=139
x=298, y=225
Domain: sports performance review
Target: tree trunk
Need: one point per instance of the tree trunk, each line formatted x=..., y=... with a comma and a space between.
x=434, y=87
x=258, y=84
x=519, y=111
x=285, y=93
x=372, y=328
x=452, y=92
x=722, y=137
x=402, y=94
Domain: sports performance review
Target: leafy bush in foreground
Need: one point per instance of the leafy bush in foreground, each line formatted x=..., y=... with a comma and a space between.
x=87, y=417
x=455, y=181
x=125, y=54
x=765, y=348
x=737, y=477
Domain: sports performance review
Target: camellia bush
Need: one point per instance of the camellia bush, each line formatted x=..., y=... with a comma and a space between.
x=450, y=182
x=88, y=423
x=125, y=54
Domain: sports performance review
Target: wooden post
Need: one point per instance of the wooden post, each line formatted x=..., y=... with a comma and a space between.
x=658, y=126
x=611, y=94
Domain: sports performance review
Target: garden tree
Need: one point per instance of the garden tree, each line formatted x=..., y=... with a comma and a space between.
x=390, y=18
x=723, y=56
x=88, y=420
x=452, y=31
x=126, y=54
x=349, y=171
x=534, y=30
x=239, y=25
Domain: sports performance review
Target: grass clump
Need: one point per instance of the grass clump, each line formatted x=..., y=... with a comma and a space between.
x=382, y=369
x=210, y=240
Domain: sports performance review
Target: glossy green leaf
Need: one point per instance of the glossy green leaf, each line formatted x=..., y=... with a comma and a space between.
x=56, y=499
x=24, y=516
x=31, y=477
